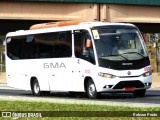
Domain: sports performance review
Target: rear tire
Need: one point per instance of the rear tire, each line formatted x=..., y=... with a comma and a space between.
x=91, y=90
x=36, y=88
x=139, y=93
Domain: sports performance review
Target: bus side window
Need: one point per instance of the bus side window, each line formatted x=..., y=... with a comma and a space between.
x=44, y=45
x=78, y=43
x=16, y=48
x=54, y=45
x=81, y=51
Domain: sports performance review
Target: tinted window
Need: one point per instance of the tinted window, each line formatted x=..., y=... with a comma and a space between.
x=45, y=45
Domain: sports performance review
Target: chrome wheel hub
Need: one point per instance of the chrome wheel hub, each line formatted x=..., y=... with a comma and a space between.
x=92, y=89
x=36, y=88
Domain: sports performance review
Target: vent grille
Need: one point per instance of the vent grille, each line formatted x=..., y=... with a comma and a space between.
x=124, y=84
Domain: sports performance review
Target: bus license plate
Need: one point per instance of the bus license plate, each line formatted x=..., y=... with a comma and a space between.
x=129, y=88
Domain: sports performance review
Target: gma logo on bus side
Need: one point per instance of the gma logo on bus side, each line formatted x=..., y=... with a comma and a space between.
x=54, y=65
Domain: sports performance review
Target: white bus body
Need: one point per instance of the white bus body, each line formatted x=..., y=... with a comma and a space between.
x=94, y=57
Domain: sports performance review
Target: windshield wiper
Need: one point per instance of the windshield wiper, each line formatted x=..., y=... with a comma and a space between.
x=133, y=53
x=115, y=56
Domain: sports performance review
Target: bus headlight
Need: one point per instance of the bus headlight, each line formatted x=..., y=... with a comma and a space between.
x=147, y=73
x=106, y=75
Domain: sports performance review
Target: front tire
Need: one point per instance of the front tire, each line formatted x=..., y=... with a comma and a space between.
x=139, y=93
x=91, y=90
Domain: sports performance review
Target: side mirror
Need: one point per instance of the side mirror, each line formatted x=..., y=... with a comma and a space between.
x=88, y=43
x=144, y=37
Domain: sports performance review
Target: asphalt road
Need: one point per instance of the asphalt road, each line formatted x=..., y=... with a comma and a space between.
x=151, y=99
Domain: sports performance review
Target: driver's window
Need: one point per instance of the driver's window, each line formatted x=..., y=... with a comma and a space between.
x=83, y=45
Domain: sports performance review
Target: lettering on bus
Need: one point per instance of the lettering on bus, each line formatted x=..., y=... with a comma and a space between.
x=54, y=65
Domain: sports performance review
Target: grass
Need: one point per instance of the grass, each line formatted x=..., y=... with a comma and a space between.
x=83, y=110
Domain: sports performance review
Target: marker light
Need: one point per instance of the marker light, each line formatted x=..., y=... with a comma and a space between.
x=146, y=74
x=106, y=75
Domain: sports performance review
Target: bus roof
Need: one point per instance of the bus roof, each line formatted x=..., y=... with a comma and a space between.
x=80, y=25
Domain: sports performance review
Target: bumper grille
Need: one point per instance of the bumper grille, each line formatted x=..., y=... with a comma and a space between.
x=124, y=84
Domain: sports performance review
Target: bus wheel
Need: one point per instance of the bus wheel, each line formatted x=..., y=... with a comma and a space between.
x=139, y=93
x=36, y=88
x=91, y=90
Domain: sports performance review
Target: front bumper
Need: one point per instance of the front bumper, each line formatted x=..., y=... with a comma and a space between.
x=124, y=84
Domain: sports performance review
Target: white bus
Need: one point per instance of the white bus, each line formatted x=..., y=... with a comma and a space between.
x=90, y=57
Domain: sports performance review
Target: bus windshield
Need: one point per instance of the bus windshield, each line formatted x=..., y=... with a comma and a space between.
x=118, y=43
